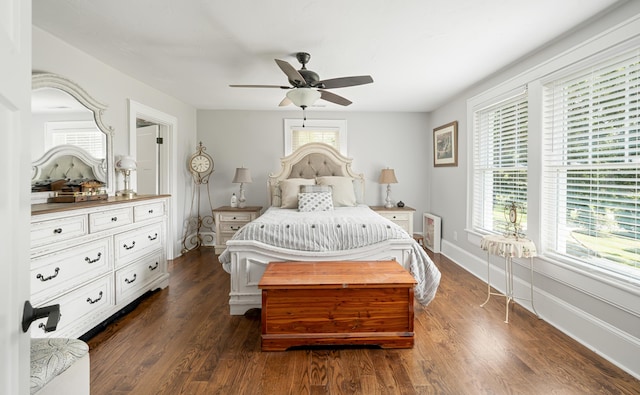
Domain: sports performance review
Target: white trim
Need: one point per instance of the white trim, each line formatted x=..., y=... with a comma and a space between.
x=168, y=167
x=291, y=124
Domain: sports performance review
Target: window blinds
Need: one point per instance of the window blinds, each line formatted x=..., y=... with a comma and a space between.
x=301, y=137
x=499, y=162
x=591, y=167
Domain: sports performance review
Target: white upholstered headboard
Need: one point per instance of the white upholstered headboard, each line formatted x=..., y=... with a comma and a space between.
x=310, y=161
x=68, y=162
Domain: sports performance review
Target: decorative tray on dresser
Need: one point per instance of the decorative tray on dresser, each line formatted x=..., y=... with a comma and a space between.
x=94, y=258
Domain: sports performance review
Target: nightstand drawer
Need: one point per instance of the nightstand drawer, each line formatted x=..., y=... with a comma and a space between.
x=231, y=227
x=395, y=217
x=235, y=217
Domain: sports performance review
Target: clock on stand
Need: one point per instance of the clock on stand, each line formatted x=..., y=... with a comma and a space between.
x=200, y=166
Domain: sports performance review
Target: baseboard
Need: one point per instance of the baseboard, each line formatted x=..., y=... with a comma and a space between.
x=605, y=339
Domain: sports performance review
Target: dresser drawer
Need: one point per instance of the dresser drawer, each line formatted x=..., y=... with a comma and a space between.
x=135, y=277
x=135, y=243
x=82, y=308
x=148, y=211
x=61, y=271
x=235, y=217
x=56, y=230
x=110, y=219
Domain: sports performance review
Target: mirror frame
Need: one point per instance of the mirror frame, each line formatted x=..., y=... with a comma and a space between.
x=41, y=80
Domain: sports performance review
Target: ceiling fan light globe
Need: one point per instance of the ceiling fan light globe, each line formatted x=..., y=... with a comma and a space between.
x=303, y=97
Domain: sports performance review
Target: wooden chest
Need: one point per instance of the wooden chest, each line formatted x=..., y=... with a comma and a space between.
x=336, y=303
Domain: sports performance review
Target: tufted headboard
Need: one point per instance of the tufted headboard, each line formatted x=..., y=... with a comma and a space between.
x=68, y=162
x=310, y=161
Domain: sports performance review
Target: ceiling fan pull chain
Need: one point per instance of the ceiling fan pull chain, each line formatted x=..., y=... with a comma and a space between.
x=304, y=116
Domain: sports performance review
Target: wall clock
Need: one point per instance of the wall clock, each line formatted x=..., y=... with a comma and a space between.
x=199, y=229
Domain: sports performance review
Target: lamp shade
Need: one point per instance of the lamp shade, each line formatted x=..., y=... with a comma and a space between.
x=126, y=163
x=303, y=97
x=388, y=177
x=242, y=175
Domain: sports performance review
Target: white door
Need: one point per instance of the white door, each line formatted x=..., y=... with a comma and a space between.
x=15, y=204
x=147, y=158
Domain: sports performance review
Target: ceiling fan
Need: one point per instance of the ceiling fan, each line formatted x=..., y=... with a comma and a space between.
x=307, y=87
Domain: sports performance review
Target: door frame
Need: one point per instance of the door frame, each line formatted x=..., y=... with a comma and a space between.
x=168, y=125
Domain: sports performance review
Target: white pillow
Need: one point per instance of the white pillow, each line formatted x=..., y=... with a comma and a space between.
x=289, y=191
x=315, y=201
x=343, y=191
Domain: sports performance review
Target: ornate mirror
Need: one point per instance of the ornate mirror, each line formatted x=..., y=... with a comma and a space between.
x=67, y=122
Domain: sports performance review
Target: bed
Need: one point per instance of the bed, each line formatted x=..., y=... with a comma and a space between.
x=317, y=213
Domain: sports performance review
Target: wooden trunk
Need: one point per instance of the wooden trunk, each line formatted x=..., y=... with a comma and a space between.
x=336, y=303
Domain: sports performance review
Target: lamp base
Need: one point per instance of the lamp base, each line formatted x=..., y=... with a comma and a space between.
x=127, y=193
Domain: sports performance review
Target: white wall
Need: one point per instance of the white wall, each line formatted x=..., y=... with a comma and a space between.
x=114, y=88
x=255, y=139
x=587, y=305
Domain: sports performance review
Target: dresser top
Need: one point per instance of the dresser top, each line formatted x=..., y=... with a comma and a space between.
x=46, y=208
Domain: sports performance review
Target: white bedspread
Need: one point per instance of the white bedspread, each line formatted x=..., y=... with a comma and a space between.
x=343, y=228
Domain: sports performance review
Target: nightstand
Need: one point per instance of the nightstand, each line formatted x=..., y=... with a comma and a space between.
x=229, y=220
x=402, y=216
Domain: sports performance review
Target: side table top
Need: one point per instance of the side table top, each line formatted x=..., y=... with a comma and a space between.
x=508, y=246
x=342, y=274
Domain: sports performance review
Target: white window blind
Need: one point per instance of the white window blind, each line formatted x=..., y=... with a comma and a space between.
x=591, y=165
x=499, y=162
x=328, y=136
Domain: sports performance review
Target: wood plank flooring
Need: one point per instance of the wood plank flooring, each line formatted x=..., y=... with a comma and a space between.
x=182, y=340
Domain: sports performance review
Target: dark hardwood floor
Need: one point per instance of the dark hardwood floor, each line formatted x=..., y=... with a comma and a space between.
x=183, y=340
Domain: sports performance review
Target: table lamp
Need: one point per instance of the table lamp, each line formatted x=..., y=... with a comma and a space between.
x=126, y=165
x=388, y=177
x=242, y=176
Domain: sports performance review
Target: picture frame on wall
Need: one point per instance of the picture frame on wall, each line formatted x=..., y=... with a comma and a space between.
x=431, y=228
x=445, y=145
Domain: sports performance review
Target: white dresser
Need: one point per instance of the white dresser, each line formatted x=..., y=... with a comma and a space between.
x=94, y=258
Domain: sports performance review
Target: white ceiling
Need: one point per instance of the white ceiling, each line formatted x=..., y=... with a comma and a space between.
x=420, y=53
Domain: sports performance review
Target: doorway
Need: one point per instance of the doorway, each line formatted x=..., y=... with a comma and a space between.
x=148, y=140
x=166, y=177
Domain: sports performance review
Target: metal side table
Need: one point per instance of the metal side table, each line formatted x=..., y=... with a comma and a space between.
x=508, y=248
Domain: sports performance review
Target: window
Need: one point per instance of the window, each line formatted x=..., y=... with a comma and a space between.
x=331, y=132
x=591, y=165
x=499, y=162
x=84, y=134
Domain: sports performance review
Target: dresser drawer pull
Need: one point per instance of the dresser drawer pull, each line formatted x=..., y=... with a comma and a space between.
x=152, y=238
x=126, y=280
x=126, y=247
x=43, y=278
x=114, y=219
x=152, y=268
x=57, y=231
x=92, y=301
x=151, y=211
x=89, y=260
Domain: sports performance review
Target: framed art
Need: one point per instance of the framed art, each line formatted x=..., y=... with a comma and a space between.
x=445, y=145
x=431, y=232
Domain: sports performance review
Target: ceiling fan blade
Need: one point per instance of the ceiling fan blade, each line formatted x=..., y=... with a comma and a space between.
x=260, y=86
x=291, y=73
x=344, y=82
x=285, y=102
x=333, y=98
